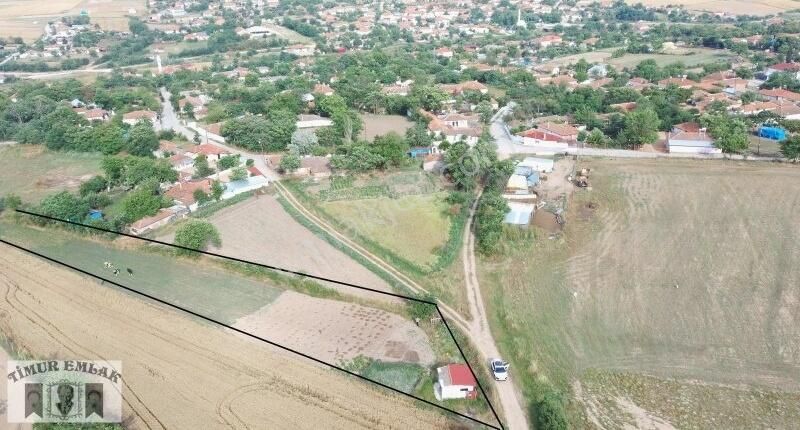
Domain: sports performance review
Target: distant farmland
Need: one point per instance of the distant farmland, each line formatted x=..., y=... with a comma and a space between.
x=734, y=7
x=27, y=18
x=672, y=297
x=690, y=57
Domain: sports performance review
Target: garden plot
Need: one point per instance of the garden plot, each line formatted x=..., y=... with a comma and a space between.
x=336, y=331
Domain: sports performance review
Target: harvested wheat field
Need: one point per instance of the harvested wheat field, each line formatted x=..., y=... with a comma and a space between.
x=338, y=331
x=261, y=231
x=733, y=7
x=178, y=372
x=27, y=18
x=672, y=296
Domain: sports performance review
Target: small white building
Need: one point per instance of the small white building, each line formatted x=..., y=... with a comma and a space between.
x=313, y=121
x=543, y=165
x=455, y=381
x=691, y=143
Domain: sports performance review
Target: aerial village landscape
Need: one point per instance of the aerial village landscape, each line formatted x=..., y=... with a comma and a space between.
x=533, y=214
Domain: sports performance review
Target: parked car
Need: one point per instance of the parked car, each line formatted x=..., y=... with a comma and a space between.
x=499, y=369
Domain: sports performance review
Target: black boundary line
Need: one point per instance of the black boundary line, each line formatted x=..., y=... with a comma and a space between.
x=279, y=269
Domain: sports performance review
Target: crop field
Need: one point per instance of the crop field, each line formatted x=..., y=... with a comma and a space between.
x=32, y=172
x=179, y=373
x=689, y=57
x=414, y=227
x=27, y=18
x=672, y=297
x=733, y=7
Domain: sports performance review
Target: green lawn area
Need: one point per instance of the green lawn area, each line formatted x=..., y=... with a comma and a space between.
x=415, y=226
x=33, y=172
x=690, y=57
x=403, y=376
x=209, y=291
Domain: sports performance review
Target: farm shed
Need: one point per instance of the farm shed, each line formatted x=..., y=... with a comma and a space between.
x=692, y=143
x=544, y=165
x=455, y=382
x=517, y=184
x=520, y=214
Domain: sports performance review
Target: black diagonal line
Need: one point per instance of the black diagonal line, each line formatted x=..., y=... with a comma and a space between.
x=277, y=345
x=279, y=269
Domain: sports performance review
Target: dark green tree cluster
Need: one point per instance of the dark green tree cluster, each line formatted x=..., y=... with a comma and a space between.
x=196, y=235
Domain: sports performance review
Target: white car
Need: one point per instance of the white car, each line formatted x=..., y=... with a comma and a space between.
x=499, y=369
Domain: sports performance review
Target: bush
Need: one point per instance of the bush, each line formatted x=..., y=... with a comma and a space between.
x=549, y=412
x=92, y=186
x=196, y=235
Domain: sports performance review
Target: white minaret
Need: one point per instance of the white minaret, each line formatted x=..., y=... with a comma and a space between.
x=158, y=62
x=520, y=22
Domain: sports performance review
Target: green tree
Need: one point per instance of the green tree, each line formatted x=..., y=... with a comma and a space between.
x=238, y=174
x=489, y=217
x=92, y=186
x=392, y=148
x=142, y=202
x=485, y=110
x=357, y=158
x=790, y=148
x=550, y=414
x=188, y=110
x=217, y=189
x=289, y=163
x=597, y=138
x=303, y=142
x=281, y=125
x=64, y=206
x=201, y=167
x=200, y=196
x=228, y=162
x=143, y=140
x=462, y=166
x=196, y=235
x=641, y=127
x=251, y=80
x=730, y=134
x=418, y=135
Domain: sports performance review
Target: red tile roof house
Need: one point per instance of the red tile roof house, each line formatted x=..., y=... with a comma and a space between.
x=211, y=151
x=783, y=68
x=161, y=218
x=778, y=94
x=540, y=138
x=131, y=118
x=182, y=193
x=455, y=382
x=565, y=132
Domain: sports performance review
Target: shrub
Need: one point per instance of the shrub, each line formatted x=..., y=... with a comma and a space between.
x=196, y=235
x=549, y=412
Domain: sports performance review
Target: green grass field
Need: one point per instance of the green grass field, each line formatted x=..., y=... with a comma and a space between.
x=209, y=291
x=415, y=227
x=32, y=172
x=690, y=57
x=674, y=293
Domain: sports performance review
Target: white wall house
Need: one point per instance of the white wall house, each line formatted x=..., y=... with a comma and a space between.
x=691, y=143
x=455, y=381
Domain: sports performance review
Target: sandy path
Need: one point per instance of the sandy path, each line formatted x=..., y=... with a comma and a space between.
x=476, y=329
x=481, y=334
x=180, y=373
x=260, y=230
x=337, y=331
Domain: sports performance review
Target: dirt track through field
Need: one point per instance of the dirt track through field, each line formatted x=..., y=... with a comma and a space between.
x=178, y=372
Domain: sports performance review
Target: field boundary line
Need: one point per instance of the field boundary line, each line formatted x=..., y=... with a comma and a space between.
x=280, y=269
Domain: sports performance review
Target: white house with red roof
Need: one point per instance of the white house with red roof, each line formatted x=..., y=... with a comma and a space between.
x=456, y=381
x=131, y=118
x=541, y=138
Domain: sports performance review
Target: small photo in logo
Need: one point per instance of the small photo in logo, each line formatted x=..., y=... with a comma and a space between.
x=64, y=391
x=63, y=404
x=33, y=401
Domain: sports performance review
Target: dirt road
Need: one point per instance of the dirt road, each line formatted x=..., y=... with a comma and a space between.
x=178, y=372
x=477, y=330
x=481, y=335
